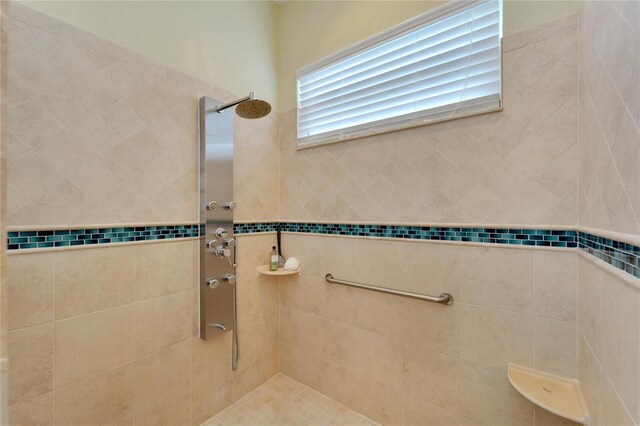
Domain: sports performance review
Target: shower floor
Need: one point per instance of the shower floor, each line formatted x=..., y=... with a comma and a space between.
x=283, y=401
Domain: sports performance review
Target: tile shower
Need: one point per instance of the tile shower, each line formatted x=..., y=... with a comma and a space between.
x=524, y=216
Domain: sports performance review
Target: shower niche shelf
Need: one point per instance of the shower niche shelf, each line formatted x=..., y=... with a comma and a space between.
x=264, y=270
x=557, y=394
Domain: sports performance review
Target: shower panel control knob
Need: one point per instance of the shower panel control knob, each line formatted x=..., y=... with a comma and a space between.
x=211, y=244
x=229, y=243
x=222, y=251
x=221, y=233
x=212, y=283
x=211, y=205
x=231, y=205
x=230, y=278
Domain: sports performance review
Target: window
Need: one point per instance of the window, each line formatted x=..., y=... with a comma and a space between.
x=441, y=65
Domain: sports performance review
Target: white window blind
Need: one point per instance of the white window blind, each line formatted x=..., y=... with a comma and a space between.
x=444, y=64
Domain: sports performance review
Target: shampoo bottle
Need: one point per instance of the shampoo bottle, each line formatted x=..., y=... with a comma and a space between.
x=280, y=257
x=273, y=259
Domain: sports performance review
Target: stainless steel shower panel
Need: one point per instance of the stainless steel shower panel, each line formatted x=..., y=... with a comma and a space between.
x=217, y=243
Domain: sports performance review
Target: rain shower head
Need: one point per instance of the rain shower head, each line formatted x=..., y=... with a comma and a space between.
x=248, y=107
x=254, y=108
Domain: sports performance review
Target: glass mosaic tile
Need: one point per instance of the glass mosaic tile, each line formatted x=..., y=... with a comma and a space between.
x=21, y=240
x=621, y=255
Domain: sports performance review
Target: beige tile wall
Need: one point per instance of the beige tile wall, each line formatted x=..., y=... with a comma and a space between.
x=608, y=344
x=104, y=153
x=609, y=199
x=401, y=360
x=109, y=335
x=96, y=134
x=84, y=352
x=609, y=159
x=517, y=166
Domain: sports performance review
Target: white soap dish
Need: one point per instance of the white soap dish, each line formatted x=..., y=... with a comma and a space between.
x=560, y=395
x=264, y=270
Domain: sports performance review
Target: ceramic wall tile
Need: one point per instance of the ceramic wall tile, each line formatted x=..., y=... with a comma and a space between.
x=161, y=322
x=175, y=411
x=155, y=383
x=101, y=135
x=431, y=376
x=380, y=403
x=621, y=340
x=608, y=199
x=30, y=287
x=340, y=383
x=35, y=412
x=420, y=351
x=92, y=344
x=88, y=149
x=493, y=168
x=80, y=103
x=495, y=338
x=105, y=399
x=613, y=410
x=555, y=285
x=487, y=397
x=589, y=373
x=420, y=412
x=93, y=280
x=31, y=354
x=340, y=343
x=90, y=348
x=590, y=279
x=555, y=346
x=509, y=287
x=609, y=110
x=163, y=269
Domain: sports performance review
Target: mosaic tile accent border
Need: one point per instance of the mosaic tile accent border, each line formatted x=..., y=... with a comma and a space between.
x=623, y=256
x=21, y=240
x=251, y=228
x=522, y=237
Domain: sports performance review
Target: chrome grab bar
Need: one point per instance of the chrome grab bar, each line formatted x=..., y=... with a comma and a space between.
x=444, y=298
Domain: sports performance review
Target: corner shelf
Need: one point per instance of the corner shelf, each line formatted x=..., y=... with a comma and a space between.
x=557, y=394
x=264, y=270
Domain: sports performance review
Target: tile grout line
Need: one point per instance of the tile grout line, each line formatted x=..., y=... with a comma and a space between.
x=135, y=357
x=53, y=351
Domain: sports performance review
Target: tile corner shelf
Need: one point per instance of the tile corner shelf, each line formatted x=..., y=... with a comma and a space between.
x=264, y=270
x=557, y=394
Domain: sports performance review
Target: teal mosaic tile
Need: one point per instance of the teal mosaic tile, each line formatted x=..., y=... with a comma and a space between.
x=22, y=240
x=252, y=228
x=623, y=256
x=532, y=237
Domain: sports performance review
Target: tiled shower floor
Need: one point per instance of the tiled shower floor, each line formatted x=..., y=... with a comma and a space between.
x=284, y=402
